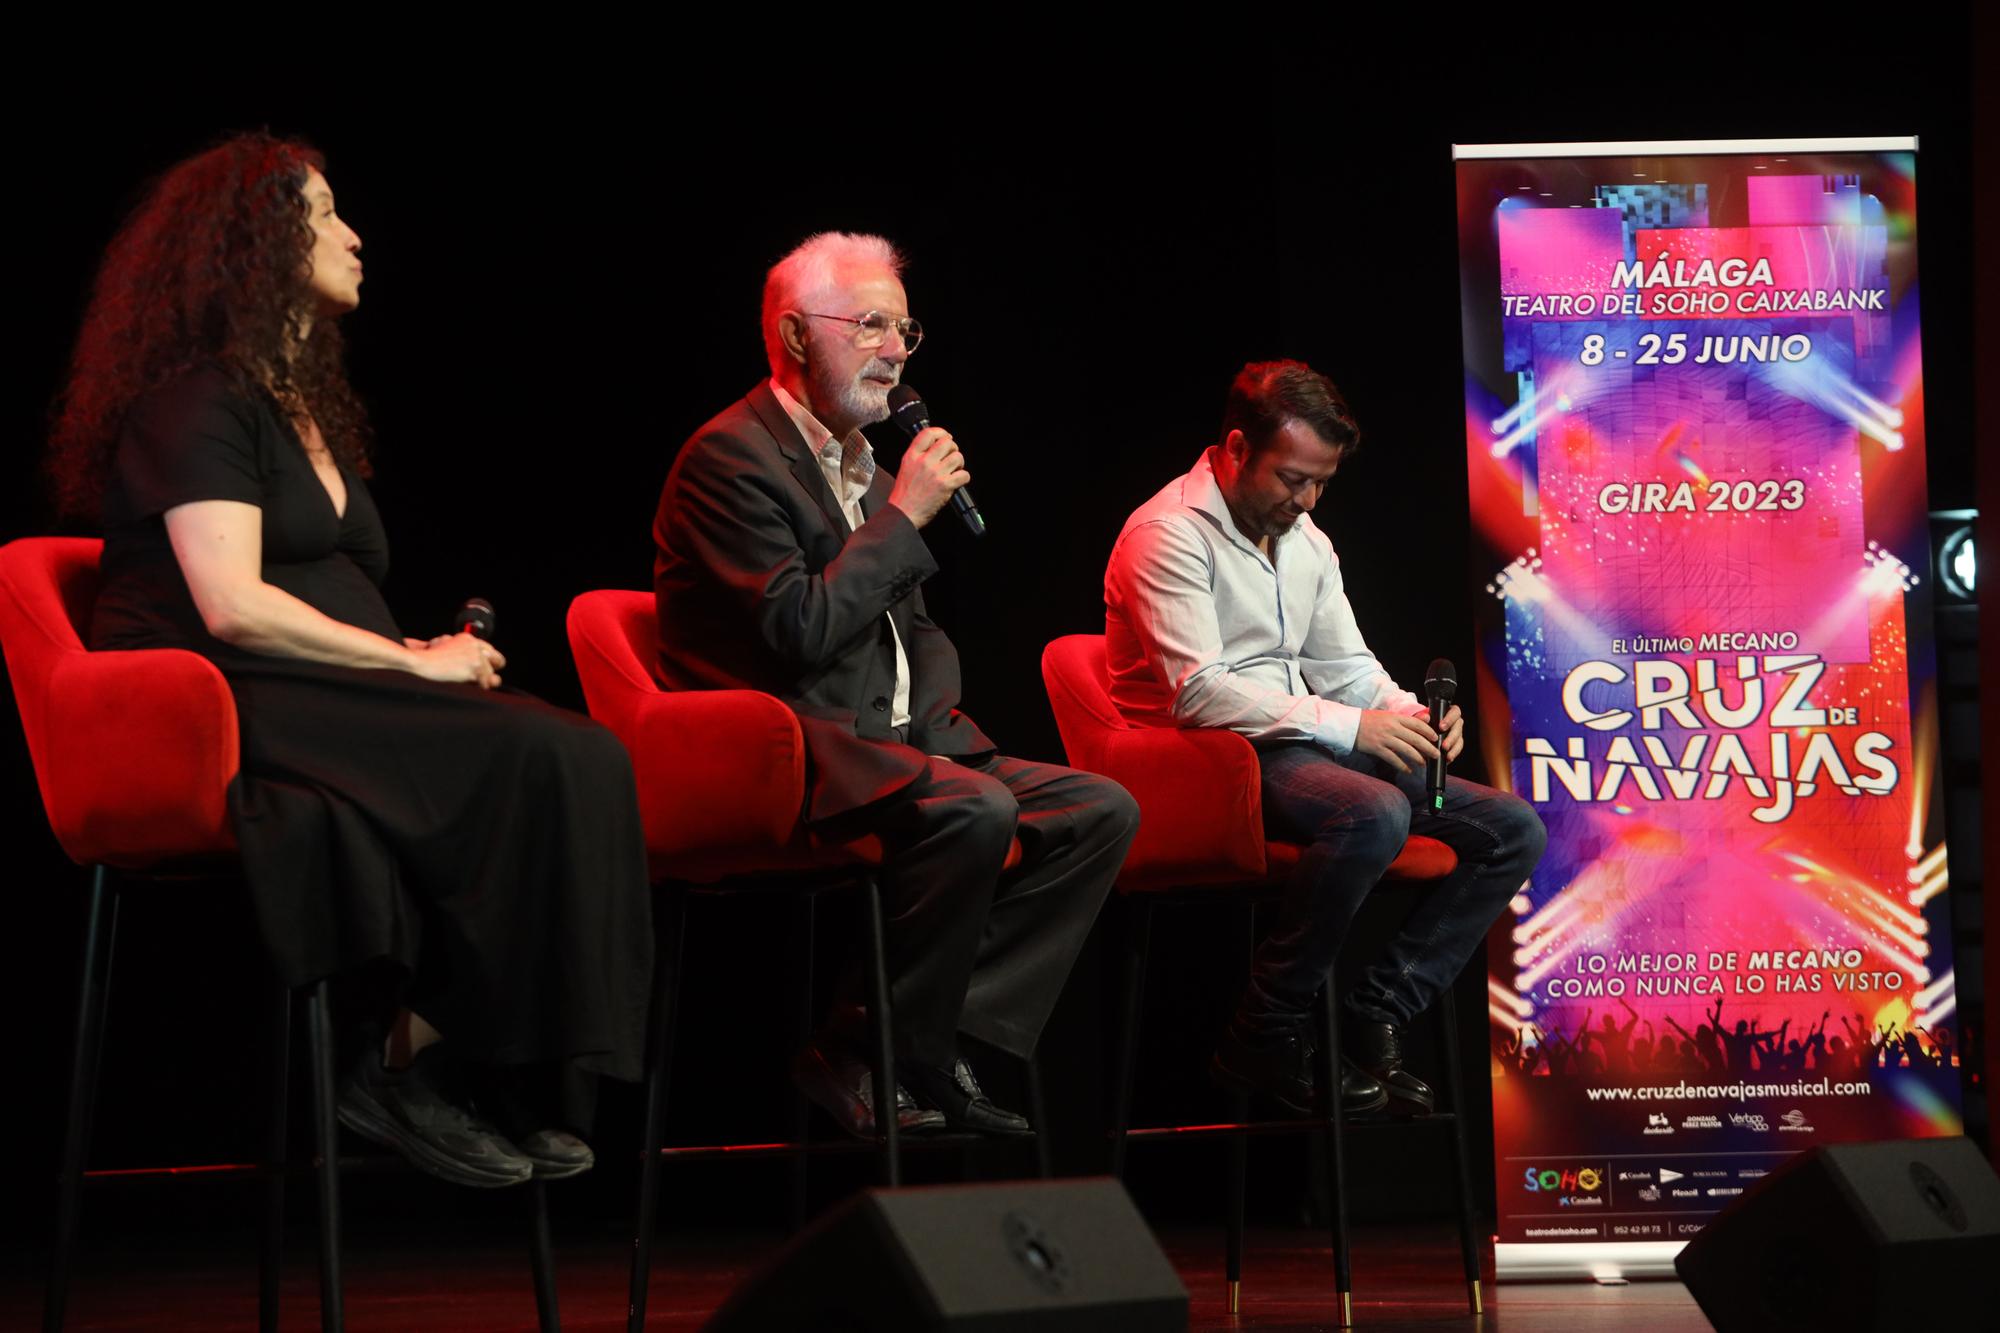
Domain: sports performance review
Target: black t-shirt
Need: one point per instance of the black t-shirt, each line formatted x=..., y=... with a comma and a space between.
x=203, y=438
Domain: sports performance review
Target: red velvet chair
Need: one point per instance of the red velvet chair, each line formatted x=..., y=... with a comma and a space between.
x=1201, y=833
x=134, y=753
x=721, y=777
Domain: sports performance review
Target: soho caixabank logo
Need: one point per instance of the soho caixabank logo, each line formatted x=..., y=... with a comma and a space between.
x=1570, y=1187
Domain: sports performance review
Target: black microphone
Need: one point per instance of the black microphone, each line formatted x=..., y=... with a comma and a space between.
x=1440, y=683
x=907, y=410
x=476, y=616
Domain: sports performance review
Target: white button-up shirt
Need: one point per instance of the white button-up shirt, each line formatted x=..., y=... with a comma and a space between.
x=1203, y=630
x=848, y=466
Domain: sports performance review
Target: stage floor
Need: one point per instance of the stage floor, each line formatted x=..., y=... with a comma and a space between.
x=1405, y=1278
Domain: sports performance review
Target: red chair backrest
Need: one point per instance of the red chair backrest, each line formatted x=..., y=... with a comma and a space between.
x=1197, y=790
x=47, y=587
x=721, y=773
x=614, y=637
x=1079, y=689
x=134, y=751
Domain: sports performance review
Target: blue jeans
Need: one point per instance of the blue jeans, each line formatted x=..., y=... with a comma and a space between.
x=1355, y=820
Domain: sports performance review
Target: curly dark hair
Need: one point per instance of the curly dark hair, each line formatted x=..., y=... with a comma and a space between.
x=212, y=267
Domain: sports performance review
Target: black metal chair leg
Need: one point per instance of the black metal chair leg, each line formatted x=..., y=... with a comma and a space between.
x=1238, y=1105
x=100, y=934
x=543, y=1260
x=1138, y=940
x=271, y=1263
x=672, y=928
x=1468, y=1238
x=107, y=985
x=1239, y=1172
x=801, y=1108
x=1336, y=1151
x=884, y=1073
x=1038, y=1111
x=326, y=1142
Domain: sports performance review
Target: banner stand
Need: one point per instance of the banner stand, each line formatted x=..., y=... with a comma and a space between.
x=1695, y=446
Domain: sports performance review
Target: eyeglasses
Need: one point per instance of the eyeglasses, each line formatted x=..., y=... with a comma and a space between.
x=873, y=329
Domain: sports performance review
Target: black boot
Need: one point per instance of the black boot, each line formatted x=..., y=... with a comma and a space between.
x=1276, y=1057
x=1378, y=1048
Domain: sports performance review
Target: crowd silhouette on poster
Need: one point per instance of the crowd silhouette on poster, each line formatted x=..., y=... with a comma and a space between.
x=1610, y=1051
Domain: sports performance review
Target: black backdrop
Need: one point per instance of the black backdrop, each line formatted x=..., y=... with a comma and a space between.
x=565, y=245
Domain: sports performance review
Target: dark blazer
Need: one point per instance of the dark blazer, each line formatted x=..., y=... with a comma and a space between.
x=761, y=585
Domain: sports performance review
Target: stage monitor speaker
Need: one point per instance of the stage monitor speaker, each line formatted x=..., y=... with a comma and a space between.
x=1051, y=1256
x=1900, y=1235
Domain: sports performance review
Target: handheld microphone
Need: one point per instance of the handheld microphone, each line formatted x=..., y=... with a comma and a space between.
x=1440, y=683
x=907, y=410
x=474, y=617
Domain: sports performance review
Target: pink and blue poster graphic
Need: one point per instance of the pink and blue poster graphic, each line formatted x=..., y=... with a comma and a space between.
x=1695, y=437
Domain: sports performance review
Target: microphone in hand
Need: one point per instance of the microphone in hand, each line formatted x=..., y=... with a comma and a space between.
x=1440, y=684
x=475, y=617
x=907, y=410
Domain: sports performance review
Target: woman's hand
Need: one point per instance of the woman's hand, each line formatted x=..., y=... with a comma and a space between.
x=455, y=659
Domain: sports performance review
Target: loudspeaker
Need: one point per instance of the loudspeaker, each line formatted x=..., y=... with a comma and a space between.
x=1899, y=1235
x=1051, y=1256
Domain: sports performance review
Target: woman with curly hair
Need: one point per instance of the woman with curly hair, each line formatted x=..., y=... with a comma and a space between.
x=398, y=815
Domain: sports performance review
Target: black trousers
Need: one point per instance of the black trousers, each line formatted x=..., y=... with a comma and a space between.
x=971, y=949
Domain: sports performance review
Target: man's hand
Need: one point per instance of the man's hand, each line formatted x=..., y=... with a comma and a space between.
x=1403, y=741
x=931, y=470
x=1454, y=733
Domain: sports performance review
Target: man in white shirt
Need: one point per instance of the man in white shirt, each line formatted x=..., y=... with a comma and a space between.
x=1224, y=608
x=788, y=563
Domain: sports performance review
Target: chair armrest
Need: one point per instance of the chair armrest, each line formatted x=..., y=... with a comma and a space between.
x=719, y=771
x=1201, y=805
x=142, y=748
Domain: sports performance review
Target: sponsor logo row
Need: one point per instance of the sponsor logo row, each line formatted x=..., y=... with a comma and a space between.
x=1793, y=1121
x=1595, y=1185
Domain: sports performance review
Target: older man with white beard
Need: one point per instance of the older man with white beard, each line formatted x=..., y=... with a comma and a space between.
x=789, y=563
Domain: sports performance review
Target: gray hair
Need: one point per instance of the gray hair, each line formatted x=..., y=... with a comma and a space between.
x=811, y=270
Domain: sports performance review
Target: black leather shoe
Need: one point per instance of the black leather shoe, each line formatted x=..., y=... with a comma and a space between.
x=1378, y=1048
x=956, y=1093
x=1279, y=1063
x=843, y=1086
x=407, y=1110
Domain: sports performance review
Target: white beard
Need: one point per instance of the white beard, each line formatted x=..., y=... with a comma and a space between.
x=858, y=399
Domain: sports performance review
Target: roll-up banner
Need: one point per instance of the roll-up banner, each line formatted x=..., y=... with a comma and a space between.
x=1694, y=425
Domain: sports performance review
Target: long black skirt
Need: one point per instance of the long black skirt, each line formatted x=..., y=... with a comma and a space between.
x=487, y=843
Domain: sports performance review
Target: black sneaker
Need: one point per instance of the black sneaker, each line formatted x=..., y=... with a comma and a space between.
x=403, y=1109
x=1278, y=1061
x=556, y=1154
